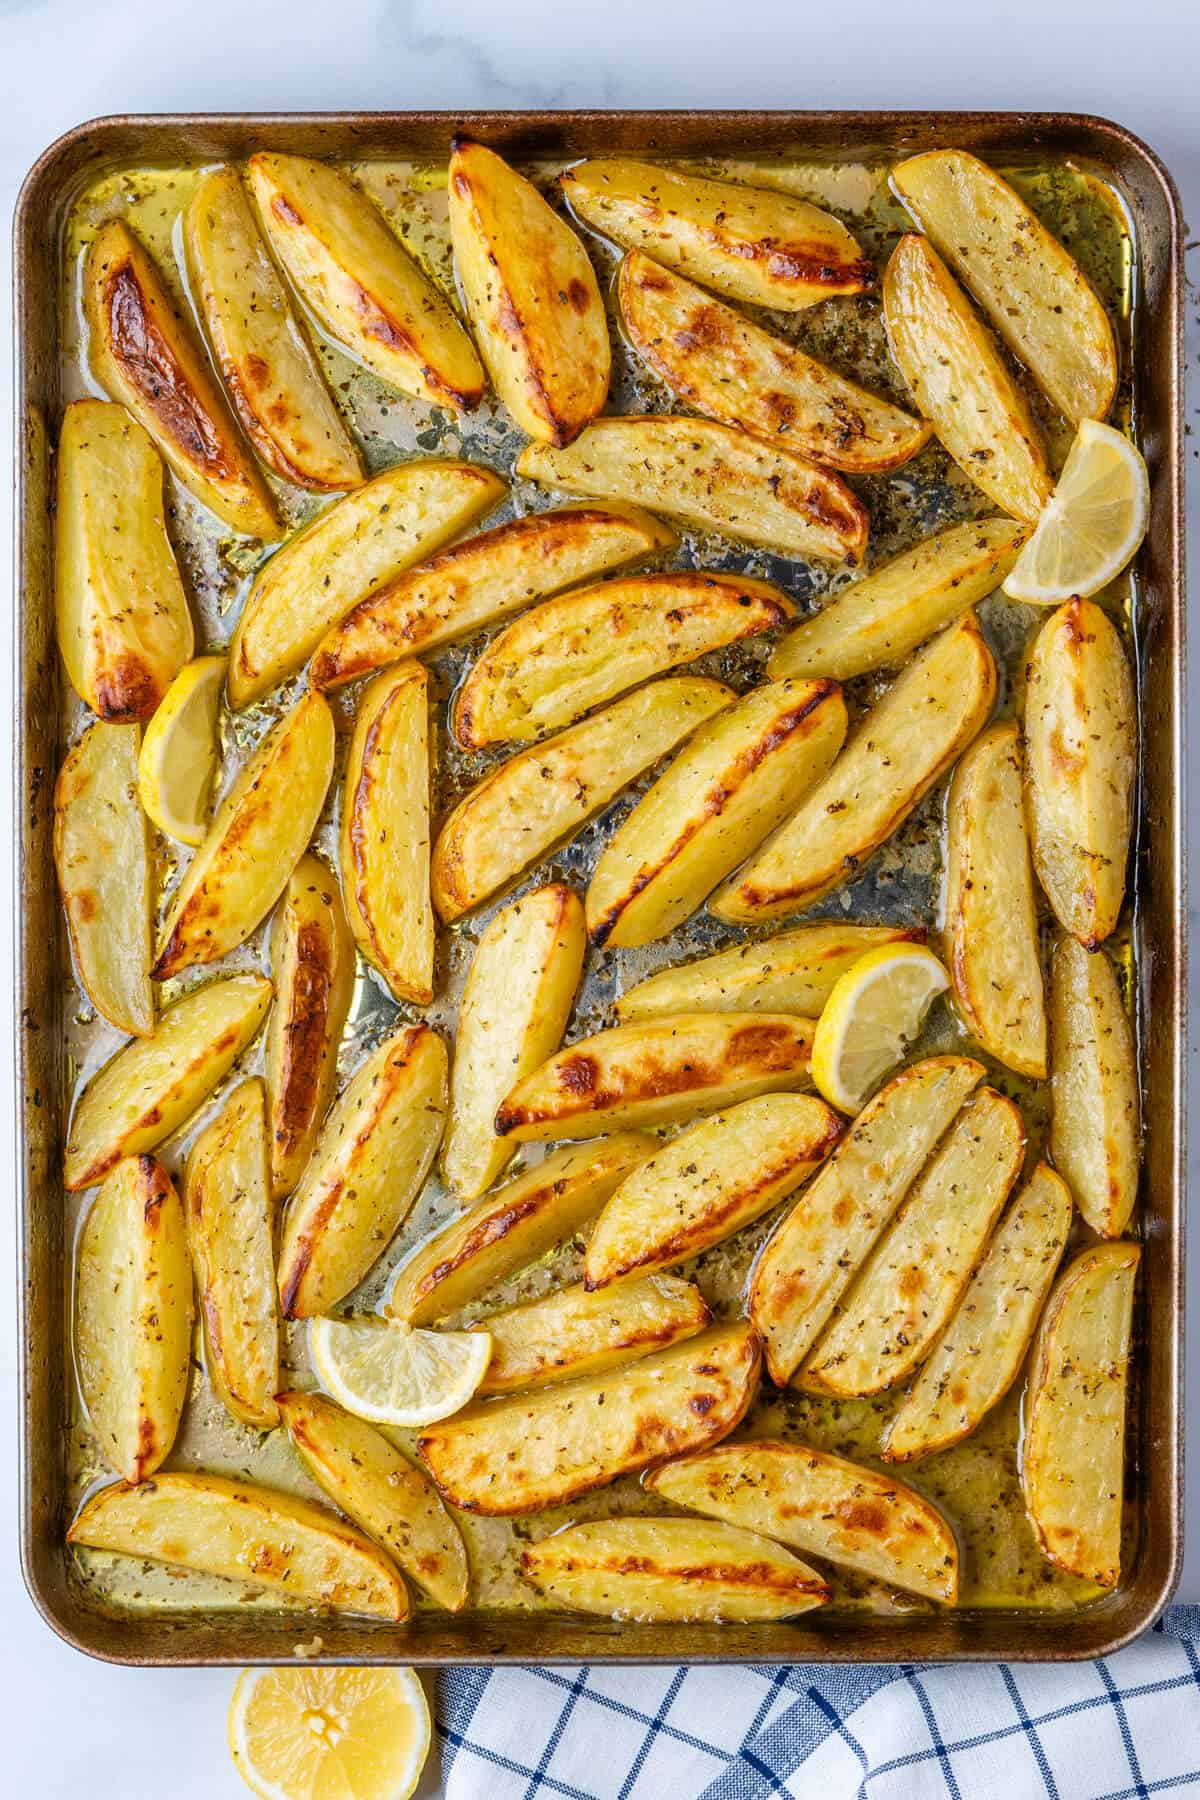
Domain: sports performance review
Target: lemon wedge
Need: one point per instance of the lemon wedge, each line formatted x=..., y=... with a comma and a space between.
x=329, y=1734
x=397, y=1374
x=181, y=752
x=1092, y=524
x=871, y=1016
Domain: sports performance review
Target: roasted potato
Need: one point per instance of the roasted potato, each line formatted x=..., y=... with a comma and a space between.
x=1094, y=1106
x=573, y=1332
x=959, y=381
x=899, y=750
x=1073, y=1455
x=133, y=1316
x=544, y=795
x=153, y=1085
x=144, y=353
x=374, y=1151
x=360, y=282
x=260, y=832
x=542, y=1449
x=736, y=780
x=1081, y=758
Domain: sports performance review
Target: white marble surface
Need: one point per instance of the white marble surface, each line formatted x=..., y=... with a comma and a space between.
x=68, y=1726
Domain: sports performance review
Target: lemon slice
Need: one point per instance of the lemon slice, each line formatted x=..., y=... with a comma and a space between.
x=871, y=1016
x=180, y=754
x=396, y=1374
x=1092, y=524
x=329, y=1734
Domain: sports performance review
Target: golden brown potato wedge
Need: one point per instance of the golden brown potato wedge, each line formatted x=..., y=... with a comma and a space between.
x=133, y=1316
x=394, y=1503
x=124, y=626
x=708, y=1182
x=573, y=1332
x=979, y=1354
x=903, y=746
x=542, y=1449
x=1081, y=757
x=145, y=353
x=733, y=784
x=822, y=1505
x=681, y=1570
x=959, y=381
x=515, y=1005
x=260, y=832
x=544, y=795
x=153, y=1085
x=993, y=950
x=569, y=655
x=267, y=364
x=754, y=244
x=303, y=1553
x=1073, y=1455
x=374, y=1151
x=807, y=1265
x=710, y=476
x=361, y=284
x=103, y=864
x=1094, y=1107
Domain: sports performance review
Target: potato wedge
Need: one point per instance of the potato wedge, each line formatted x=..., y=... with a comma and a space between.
x=267, y=364
x=260, y=832
x=383, y=842
x=543, y=1449
x=906, y=743
x=911, y=1282
x=715, y=360
x=1095, y=1133
x=531, y=295
x=822, y=1505
x=360, y=283
x=374, y=1151
x=733, y=784
x=658, y=1073
x=708, y=1182
x=153, y=1085
x=993, y=950
x=518, y=997
x=959, y=381
x=573, y=1332
x=103, y=864
x=133, y=1316
x=712, y=477
x=230, y=1229
x=544, y=795
x=246, y=1533
x=483, y=579
x=978, y=1356
x=1081, y=758
x=681, y=1570
x=754, y=244
x=1034, y=293
x=806, y=1266
x=876, y=621
x=394, y=1503
x=348, y=552
x=565, y=657
x=312, y=967
x=124, y=625
x=1073, y=1455
x=538, y=1209
x=144, y=352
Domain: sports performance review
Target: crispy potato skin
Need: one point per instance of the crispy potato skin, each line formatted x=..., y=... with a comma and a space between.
x=573, y=1332
x=1095, y=1134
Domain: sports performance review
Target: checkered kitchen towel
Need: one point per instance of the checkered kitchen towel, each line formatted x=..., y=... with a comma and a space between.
x=1126, y=1727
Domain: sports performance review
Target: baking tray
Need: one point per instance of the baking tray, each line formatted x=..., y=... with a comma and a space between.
x=43, y=982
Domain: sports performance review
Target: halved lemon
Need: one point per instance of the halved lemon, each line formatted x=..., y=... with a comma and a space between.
x=873, y=1013
x=397, y=1374
x=181, y=751
x=1092, y=524
x=329, y=1734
